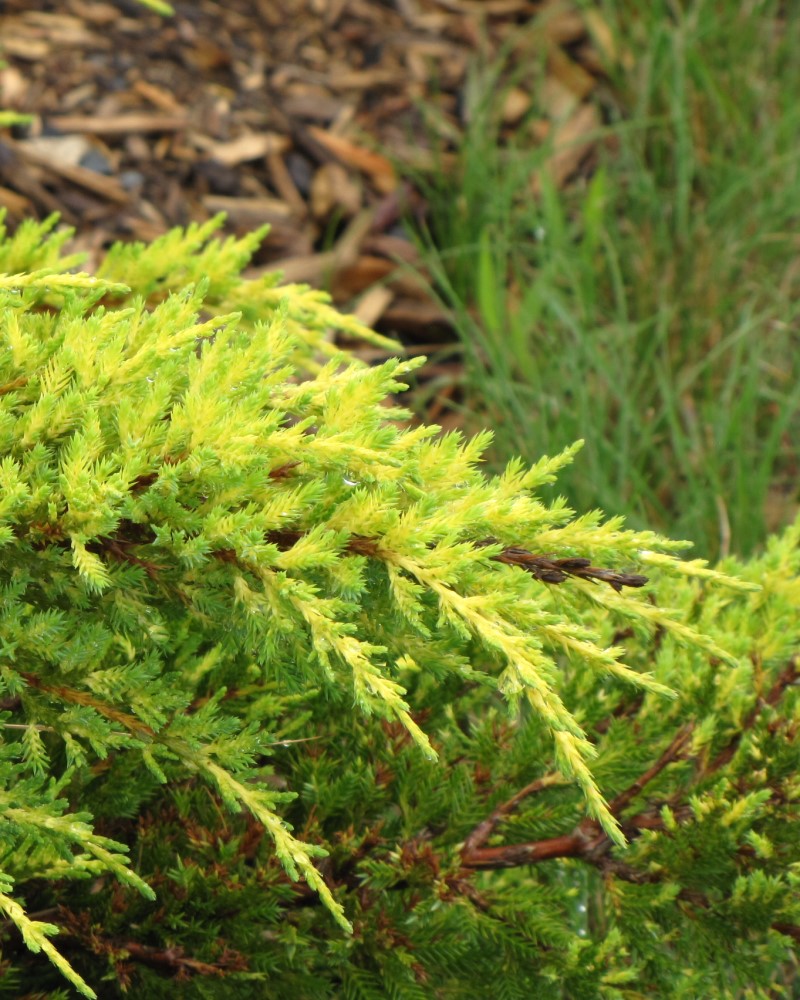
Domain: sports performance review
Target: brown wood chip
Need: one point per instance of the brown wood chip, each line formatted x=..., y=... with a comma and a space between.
x=378, y=167
x=251, y=146
x=107, y=187
x=119, y=124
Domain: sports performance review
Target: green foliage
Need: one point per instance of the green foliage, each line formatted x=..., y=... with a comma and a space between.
x=296, y=701
x=650, y=308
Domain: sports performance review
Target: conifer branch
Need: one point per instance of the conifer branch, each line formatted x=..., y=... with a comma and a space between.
x=785, y=679
x=584, y=841
x=790, y=930
x=294, y=854
x=36, y=936
x=76, y=932
x=175, y=960
x=588, y=841
x=16, y=383
x=481, y=833
x=551, y=569
x=545, y=568
x=672, y=753
x=134, y=726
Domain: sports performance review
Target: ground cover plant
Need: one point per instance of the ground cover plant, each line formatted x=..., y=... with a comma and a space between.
x=298, y=701
x=650, y=307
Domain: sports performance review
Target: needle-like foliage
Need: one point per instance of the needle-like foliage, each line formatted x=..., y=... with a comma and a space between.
x=265, y=646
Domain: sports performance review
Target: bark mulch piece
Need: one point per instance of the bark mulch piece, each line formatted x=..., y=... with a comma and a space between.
x=287, y=113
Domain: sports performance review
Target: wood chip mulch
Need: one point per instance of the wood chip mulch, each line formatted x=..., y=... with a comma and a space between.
x=288, y=112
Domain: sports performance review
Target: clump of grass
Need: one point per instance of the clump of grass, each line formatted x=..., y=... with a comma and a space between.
x=652, y=309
